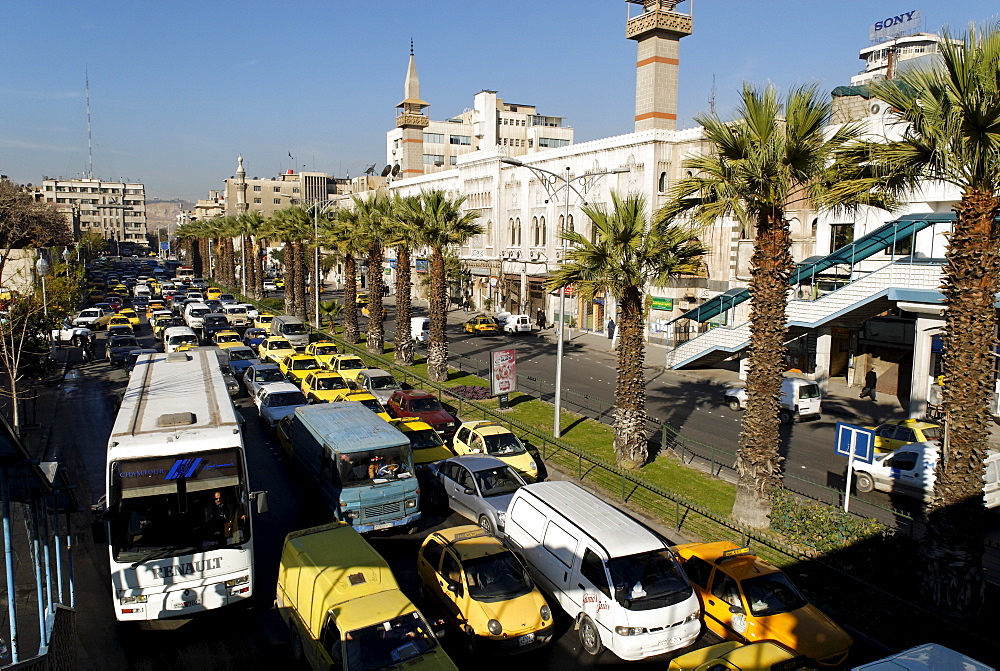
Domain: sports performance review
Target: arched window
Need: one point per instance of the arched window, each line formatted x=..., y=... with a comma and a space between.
x=534, y=231
x=513, y=233
x=541, y=225
x=570, y=227
x=489, y=233
x=517, y=229
x=662, y=185
x=562, y=223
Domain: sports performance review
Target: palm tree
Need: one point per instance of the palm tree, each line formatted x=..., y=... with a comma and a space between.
x=442, y=225
x=952, y=134
x=341, y=235
x=294, y=225
x=247, y=226
x=626, y=256
x=406, y=212
x=375, y=226
x=195, y=234
x=329, y=311
x=774, y=156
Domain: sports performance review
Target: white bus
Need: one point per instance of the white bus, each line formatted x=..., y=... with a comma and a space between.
x=177, y=505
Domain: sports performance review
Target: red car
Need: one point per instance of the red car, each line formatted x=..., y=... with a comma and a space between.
x=423, y=404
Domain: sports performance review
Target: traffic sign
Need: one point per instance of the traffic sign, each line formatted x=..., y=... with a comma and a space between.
x=861, y=439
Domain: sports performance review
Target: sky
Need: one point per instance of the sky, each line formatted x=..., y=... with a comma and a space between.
x=179, y=89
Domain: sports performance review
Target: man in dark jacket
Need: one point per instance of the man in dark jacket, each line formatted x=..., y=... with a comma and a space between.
x=871, y=380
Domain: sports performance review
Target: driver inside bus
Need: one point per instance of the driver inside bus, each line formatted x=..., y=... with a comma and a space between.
x=223, y=518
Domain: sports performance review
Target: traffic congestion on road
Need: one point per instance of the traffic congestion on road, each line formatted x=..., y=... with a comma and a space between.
x=467, y=552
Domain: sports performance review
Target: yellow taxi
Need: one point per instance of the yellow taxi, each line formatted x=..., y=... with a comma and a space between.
x=323, y=351
x=120, y=289
x=160, y=321
x=273, y=349
x=213, y=293
x=119, y=320
x=425, y=442
x=279, y=282
x=133, y=316
x=482, y=325
x=348, y=365
x=486, y=437
x=895, y=433
x=226, y=339
x=365, y=399
x=263, y=321
x=361, y=298
x=736, y=656
x=747, y=599
x=296, y=366
x=323, y=386
x=153, y=306
x=484, y=590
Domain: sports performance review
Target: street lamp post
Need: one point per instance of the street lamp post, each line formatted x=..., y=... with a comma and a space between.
x=42, y=268
x=555, y=183
x=318, y=207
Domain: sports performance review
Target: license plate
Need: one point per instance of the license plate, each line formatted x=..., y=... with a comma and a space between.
x=382, y=525
x=527, y=639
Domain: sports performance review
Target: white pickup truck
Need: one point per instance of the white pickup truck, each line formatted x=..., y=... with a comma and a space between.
x=67, y=333
x=88, y=317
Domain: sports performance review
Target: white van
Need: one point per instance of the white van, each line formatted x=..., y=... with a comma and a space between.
x=909, y=470
x=800, y=399
x=420, y=329
x=194, y=314
x=618, y=580
x=142, y=291
x=175, y=336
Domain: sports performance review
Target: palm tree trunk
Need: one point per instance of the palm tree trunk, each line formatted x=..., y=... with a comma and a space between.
x=350, y=299
x=437, y=348
x=952, y=548
x=290, y=271
x=196, y=259
x=631, y=449
x=259, y=250
x=757, y=460
x=376, y=311
x=301, y=307
x=404, y=337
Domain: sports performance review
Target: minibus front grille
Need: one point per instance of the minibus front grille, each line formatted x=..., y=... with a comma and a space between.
x=382, y=509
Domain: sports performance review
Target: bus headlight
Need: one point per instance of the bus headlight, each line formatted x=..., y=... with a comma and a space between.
x=242, y=580
x=411, y=503
x=138, y=598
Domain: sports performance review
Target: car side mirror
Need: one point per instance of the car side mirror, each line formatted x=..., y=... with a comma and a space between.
x=455, y=588
x=736, y=610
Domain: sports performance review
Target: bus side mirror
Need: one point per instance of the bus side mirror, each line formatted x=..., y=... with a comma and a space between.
x=261, y=500
x=98, y=527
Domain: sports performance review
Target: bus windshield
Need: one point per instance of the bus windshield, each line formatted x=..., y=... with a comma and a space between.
x=358, y=469
x=165, y=507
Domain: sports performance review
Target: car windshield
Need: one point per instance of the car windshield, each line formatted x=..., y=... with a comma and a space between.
x=269, y=375
x=329, y=383
x=383, y=382
x=648, y=580
x=505, y=444
x=497, y=481
x=236, y=311
x=214, y=321
x=424, y=438
x=373, y=405
x=325, y=350
x=279, y=344
x=294, y=329
x=771, y=594
x=304, y=364
x=352, y=364
x=123, y=342
x=496, y=577
x=388, y=644
x=358, y=469
x=429, y=404
x=241, y=354
x=283, y=399
x=265, y=319
x=255, y=333
x=186, y=339
x=199, y=312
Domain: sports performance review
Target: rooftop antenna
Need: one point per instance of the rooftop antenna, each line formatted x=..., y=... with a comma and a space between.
x=711, y=98
x=90, y=144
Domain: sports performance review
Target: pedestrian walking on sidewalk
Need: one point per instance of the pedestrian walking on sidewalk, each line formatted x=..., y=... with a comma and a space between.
x=871, y=381
x=611, y=329
x=540, y=319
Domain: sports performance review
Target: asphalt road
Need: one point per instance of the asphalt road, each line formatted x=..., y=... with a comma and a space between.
x=244, y=638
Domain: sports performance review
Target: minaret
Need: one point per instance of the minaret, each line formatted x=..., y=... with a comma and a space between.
x=411, y=118
x=241, y=189
x=658, y=30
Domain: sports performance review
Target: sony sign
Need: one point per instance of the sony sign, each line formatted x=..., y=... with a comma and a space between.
x=893, y=26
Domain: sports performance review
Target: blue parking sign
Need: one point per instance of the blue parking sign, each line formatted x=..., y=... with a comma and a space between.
x=857, y=439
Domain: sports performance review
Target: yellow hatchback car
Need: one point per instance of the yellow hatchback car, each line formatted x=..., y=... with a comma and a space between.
x=323, y=351
x=425, y=442
x=482, y=325
x=735, y=656
x=119, y=320
x=895, y=433
x=153, y=306
x=226, y=338
x=365, y=399
x=133, y=316
x=263, y=321
x=323, y=386
x=296, y=366
x=213, y=293
x=747, y=599
x=273, y=349
x=484, y=590
x=486, y=437
x=347, y=365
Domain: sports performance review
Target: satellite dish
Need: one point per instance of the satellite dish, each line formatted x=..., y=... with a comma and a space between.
x=385, y=170
x=370, y=170
x=395, y=170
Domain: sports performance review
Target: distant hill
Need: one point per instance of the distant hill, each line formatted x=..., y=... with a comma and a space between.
x=160, y=213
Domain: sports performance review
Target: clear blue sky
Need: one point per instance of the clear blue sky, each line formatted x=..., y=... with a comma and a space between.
x=178, y=89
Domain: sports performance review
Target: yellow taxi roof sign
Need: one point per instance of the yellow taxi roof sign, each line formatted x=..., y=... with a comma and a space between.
x=735, y=552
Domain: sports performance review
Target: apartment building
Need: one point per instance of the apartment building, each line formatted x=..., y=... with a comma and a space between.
x=115, y=210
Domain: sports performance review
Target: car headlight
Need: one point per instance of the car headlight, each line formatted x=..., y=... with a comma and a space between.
x=532, y=466
x=545, y=612
x=242, y=580
x=350, y=514
x=494, y=627
x=449, y=424
x=692, y=617
x=630, y=631
x=138, y=598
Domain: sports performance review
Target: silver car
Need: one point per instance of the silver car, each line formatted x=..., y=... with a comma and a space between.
x=477, y=487
x=257, y=376
x=379, y=383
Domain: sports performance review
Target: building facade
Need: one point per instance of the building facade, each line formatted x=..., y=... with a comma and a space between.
x=114, y=210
